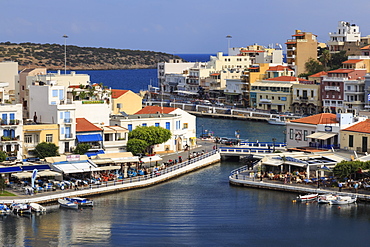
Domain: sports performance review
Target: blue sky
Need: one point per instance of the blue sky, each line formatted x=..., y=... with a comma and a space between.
x=174, y=26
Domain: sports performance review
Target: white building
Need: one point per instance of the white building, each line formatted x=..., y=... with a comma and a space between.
x=181, y=124
x=9, y=74
x=346, y=32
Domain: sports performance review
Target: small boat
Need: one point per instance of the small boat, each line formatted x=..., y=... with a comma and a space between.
x=326, y=198
x=307, y=197
x=37, y=207
x=67, y=204
x=279, y=120
x=4, y=209
x=21, y=208
x=343, y=200
x=83, y=202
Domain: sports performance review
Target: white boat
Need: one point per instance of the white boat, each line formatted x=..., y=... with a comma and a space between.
x=343, y=200
x=279, y=120
x=83, y=202
x=37, y=207
x=326, y=198
x=4, y=209
x=307, y=197
x=67, y=204
x=21, y=208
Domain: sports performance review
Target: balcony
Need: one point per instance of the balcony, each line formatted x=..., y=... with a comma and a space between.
x=66, y=136
x=10, y=122
x=67, y=120
x=332, y=88
x=9, y=139
x=265, y=101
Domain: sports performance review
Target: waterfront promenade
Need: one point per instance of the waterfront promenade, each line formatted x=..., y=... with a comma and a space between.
x=209, y=157
x=241, y=177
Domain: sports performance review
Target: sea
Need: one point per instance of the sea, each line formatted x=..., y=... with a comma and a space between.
x=197, y=209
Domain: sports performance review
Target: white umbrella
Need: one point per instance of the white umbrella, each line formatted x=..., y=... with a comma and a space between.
x=21, y=175
x=48, y=173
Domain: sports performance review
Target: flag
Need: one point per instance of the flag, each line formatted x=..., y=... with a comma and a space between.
x=33, y=178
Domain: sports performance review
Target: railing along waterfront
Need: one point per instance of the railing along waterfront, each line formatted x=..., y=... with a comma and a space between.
x=237, y=177
x=156, y=176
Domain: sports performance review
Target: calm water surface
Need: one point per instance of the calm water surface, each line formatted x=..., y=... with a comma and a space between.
x=197, y=209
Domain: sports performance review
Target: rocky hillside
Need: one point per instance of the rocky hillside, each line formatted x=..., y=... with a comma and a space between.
x=51, y=56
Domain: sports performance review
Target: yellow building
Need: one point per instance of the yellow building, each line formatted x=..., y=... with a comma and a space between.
x=125, y=101
x=306, y=98
x=300, y=49
x=356, y=137
x=34, y=134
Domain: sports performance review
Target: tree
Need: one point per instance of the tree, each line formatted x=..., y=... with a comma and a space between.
x=337, y=59
x=151, y=135
x=136, y=146
x=325, y=58
x=82, y=148
x=2, y=184
x=345, y=169
x=2, y=156
x=45, y=149
x=313, y=66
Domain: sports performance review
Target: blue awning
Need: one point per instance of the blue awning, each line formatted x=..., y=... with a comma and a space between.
x=93, y=153
x=10, y=169
x=89, y=138
x=38, y=167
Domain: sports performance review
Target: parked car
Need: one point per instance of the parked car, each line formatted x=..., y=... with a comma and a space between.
x=273, y=111
x=231, y=142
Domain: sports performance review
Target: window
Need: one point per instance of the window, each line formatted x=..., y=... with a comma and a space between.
x=350, y=141
x=156, y=124
x=28, y=138
x=291, y=134
x=144, y=124
x=129, y=127
x=49, y=138
x=186, y=125
x=168, y=125
x=55, y=93
x=312, y=94
x=305, y=132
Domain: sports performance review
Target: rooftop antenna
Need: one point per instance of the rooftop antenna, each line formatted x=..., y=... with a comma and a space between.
x=65, y=53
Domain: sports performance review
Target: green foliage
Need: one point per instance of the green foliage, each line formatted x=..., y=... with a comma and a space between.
x=313, y=66
x=2, y=184
x=45, y=149
x=136, y=146
x=337, y=59
x=344, y=169
x=151, y=135
x=82, y=148
x=2, y=156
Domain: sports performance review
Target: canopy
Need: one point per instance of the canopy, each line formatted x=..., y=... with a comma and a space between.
x=75, y=167
x=21, y=175
x=89, y=138
x=321, y=135
x=106, y=168
x=185, y=92
x=149, y=159
x=38, y=167
x=272, y=162
x=93, y=153
x=10, y=169
x=48, y=173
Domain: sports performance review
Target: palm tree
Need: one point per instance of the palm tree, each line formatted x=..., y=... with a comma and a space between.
x=325, y=59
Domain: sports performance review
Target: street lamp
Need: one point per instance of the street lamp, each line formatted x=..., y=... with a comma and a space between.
x=273, y=143
x=65, y=53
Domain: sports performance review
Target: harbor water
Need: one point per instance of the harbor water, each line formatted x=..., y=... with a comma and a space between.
x=196, y=209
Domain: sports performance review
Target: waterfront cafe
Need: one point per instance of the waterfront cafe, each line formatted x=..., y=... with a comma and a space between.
x=298, y=161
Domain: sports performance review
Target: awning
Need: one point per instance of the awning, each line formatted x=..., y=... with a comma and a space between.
x=321, y=135
x=93, y=153
x=38, y=167
x=10, y=169
x=149, y=159
x=294, y=163
x=185, y=92
x=106, y=168
x=21, y=175
x=48, y=173
x=103, y=161
x=75, y=167
x=272, y=162
x=89, y=138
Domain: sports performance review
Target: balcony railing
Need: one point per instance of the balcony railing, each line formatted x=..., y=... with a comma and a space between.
x=332, y=88
x=10, y=122
x=68, y=120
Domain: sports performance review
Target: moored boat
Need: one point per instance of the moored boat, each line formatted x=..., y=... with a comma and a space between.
x=279, y=120
x=67, y=204
x=326, y=198
x=21, y=208
x=343, y=200
x=307, y=197
x=4, y=209
x=37, y=207
x=83, y=202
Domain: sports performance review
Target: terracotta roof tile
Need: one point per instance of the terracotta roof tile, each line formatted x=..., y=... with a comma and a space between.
x=341, y=71
x=279, y=68
x=322, y=73
x=366, y=47
x=323, y=118
x=155, y=109
x=83, y=125
x=363, y=127
x=353, y=61
x=116, y=93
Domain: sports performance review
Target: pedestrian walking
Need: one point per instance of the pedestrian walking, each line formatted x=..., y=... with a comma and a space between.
x=340, y=185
